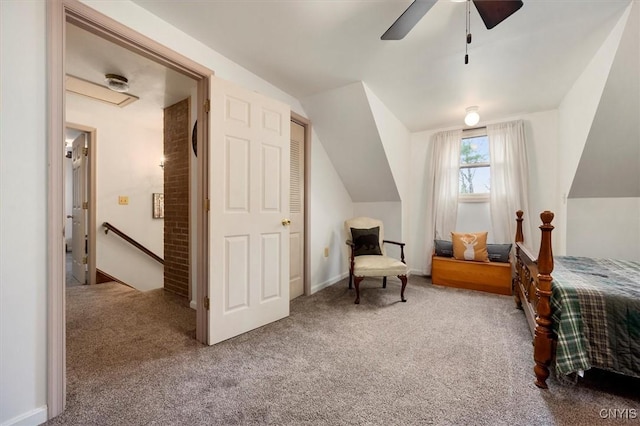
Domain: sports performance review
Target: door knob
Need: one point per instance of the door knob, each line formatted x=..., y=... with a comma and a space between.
x=286, y=222
x=69, y=216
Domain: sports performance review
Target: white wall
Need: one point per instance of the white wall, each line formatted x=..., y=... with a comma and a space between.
x=128, y=154
x=474, y=217
x=604, y=227
x=576, y=113
x=330, y=206
x=23, y=215
x=396, y=140
x=541, y=132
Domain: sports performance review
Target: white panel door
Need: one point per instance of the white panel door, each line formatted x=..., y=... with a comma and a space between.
x=79, y=217
x=249, y=189
x=296, y=203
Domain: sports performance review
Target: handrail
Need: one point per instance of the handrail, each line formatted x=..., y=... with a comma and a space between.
x=109, y=227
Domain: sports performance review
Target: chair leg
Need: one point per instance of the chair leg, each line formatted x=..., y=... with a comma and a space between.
x=403, y=278
x=350, y=280
x=384, y=282
x=356, y=281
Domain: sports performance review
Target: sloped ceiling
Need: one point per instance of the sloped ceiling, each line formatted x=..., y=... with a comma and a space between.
x=610, y=163
x=343, y=120
x=525, y=64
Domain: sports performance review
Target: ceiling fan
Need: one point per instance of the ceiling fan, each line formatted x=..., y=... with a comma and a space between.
x=492, y=13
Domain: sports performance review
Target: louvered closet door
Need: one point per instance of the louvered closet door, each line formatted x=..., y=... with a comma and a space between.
x=249, y=187
x=296, y=203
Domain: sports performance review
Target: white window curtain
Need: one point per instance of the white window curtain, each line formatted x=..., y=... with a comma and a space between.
x=509, y=180
x=442, y=188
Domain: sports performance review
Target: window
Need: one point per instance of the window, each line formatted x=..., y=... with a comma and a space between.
x=475, y=172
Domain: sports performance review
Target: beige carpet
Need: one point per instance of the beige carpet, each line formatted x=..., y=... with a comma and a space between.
x=445, y=357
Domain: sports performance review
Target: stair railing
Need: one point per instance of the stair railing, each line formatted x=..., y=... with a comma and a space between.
x=109, y=227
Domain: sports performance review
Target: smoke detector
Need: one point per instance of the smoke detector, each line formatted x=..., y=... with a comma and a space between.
x=117, y=83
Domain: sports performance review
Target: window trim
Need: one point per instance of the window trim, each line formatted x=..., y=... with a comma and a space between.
x=474, y=198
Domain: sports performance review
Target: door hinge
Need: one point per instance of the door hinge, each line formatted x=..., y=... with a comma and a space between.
x=85, y=205
x=207, y=204
x=206, y=302
x=84, y=260
x=85, y=151
x=207, y=105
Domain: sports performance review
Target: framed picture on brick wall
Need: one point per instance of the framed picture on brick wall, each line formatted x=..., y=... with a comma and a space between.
x=158, y=205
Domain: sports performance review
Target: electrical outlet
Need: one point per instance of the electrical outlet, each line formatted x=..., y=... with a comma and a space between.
x=123, y=200
x=326, y=252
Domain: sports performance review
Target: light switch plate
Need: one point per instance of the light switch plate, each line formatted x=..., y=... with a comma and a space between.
x=123, y=200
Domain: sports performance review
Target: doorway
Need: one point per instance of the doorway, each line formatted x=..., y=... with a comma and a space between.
x=61, y=12
x=300, y=150
x=80, y=208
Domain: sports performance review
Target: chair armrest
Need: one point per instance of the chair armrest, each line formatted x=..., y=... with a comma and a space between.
x=351, y=258
x=394, y=242
x=401, y=248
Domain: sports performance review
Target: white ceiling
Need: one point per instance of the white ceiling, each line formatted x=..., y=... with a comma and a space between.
x=525, y=64
x=91, y=57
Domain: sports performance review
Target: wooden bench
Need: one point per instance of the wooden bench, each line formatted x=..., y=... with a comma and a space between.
x=492, y=277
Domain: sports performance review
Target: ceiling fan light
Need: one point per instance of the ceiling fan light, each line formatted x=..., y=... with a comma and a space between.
x=117, y=83
x=472, y=117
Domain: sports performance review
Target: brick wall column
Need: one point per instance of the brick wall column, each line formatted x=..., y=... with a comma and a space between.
x=176, y=197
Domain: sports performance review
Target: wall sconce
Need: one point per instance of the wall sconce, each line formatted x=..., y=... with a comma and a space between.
x=162, y=162
x=471, y=117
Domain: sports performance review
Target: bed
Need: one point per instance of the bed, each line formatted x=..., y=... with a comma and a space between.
x=587, y=315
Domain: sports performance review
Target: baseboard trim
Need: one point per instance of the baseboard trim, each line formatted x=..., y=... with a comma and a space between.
x=34, y=417
x=327, y=283
x=193, y=305
x=420, y=272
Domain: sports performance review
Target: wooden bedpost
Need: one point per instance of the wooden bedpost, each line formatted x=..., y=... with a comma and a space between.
x=516, y=277
x=544, y=336
x=519, y=219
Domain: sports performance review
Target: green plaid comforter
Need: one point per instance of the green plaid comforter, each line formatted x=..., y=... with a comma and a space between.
x=595, y=305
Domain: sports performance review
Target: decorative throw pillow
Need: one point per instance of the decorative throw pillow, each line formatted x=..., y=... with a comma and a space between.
x=366, y=241
x=443, y=248
x=470, y=246
x=499, y=252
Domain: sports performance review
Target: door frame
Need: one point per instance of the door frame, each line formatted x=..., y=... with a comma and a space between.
x=91, y=197
x=59, y=12
x=306, y=123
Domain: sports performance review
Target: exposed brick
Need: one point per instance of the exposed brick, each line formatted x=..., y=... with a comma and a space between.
x=177, y=145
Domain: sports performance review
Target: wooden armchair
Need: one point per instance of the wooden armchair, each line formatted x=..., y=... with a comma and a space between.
x=365, y=237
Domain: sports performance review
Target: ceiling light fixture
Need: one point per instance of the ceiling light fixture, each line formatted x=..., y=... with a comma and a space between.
x=471, y=117
x=117, y=83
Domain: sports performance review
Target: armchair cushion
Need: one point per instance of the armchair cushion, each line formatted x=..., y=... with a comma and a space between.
x=378, y=266
x=366, y=241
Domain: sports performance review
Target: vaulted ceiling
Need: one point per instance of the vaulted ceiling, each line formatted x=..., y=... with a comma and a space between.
x=525, y=64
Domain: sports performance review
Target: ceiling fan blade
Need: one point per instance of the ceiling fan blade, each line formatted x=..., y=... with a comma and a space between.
x=493, y=12
x=408, y=20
